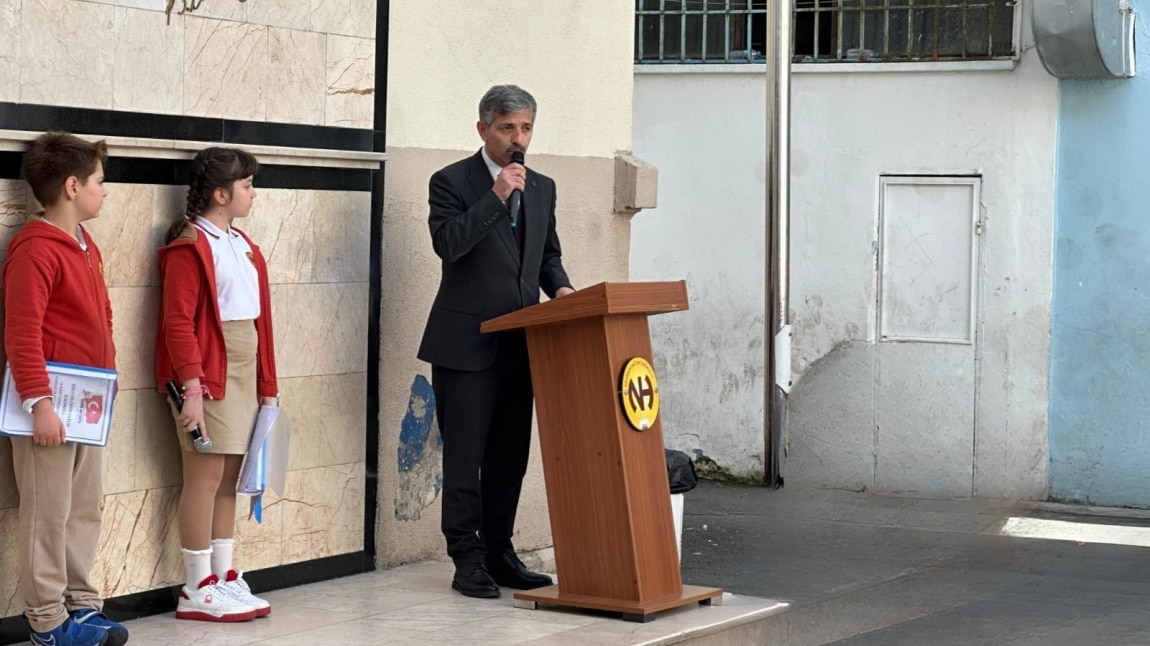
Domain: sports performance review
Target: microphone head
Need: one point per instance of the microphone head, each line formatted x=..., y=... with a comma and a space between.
x=517, y=157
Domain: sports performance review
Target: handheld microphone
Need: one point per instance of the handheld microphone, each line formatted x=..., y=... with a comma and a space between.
x=516, y=195
x=177, y=397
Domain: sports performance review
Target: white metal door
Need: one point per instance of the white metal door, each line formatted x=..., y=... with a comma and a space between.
x=925, y=374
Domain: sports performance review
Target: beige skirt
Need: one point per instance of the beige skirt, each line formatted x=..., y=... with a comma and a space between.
x=230, y=420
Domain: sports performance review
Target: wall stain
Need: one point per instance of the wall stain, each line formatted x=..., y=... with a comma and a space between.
x=420, y=457
x=708, y=469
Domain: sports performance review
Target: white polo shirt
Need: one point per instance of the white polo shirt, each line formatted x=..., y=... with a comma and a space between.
x=237, y=282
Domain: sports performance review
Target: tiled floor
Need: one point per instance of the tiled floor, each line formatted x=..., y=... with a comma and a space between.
x=414, y=605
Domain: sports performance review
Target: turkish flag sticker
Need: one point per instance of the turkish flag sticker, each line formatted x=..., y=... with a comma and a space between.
x=93, y=408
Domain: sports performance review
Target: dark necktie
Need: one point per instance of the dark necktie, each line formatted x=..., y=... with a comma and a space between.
x=520, y=226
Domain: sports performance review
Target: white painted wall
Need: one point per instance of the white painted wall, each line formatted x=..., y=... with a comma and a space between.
x=704, y=130
x=705, y=133
x=573, y=57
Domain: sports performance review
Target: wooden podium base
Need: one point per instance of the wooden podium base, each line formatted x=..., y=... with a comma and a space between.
x=631, y=611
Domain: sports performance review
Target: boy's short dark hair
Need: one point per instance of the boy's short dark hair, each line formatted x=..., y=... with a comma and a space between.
x=53, y=157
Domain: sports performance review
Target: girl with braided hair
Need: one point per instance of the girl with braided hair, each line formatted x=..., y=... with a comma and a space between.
x=215, y=344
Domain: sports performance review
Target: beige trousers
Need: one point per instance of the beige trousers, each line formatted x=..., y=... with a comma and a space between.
x=61, y=492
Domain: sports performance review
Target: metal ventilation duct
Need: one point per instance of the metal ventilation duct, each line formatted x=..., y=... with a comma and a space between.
x=1085, y=38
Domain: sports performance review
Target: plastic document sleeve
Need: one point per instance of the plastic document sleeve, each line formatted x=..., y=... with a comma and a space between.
x=82, y=396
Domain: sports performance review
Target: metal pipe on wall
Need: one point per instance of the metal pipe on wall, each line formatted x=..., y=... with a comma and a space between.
x=778, y=53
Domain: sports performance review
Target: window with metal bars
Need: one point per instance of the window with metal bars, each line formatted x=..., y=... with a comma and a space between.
x=699, y=31
x=826, y=31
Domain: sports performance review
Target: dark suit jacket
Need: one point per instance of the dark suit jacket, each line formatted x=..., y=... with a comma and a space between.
x=483, y=274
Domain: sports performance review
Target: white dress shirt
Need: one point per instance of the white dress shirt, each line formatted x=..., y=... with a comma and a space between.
x=237, y=282
x=494, y=168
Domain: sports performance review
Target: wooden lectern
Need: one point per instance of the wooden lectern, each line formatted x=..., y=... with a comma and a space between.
x=607, y=485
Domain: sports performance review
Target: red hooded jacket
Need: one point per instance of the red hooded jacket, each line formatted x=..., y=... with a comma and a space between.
x=56, y=306
x=190, y=343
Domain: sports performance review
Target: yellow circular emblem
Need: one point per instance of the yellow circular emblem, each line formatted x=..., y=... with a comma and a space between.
x=640, y=394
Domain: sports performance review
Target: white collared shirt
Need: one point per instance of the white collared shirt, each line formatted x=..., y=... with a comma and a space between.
x=237, y=282
x=492, y=167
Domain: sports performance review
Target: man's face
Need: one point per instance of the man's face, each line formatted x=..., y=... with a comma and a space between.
x=506, y=134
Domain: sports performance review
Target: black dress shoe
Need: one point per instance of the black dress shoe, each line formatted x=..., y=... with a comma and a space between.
x=509, y=572
x=474, y=581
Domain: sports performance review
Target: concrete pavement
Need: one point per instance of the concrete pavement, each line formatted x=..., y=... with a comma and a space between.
x=868, y=569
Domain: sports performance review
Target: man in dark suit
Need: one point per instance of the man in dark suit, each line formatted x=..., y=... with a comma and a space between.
x=494, y=262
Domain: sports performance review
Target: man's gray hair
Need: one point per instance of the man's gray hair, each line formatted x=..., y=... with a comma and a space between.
x=505, y=99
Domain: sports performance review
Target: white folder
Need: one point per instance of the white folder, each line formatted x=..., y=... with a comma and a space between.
x=266, y=461
x=82, y=396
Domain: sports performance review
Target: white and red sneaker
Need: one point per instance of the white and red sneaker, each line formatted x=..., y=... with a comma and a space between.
x=240, y=590
x=211, y=601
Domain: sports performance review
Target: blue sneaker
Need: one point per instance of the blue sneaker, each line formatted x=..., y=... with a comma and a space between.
x=117, y=634
x=71, y=633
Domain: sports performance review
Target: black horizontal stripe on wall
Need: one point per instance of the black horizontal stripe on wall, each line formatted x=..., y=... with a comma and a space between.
x=10, y=164
x=174, y=172
x=116, y=123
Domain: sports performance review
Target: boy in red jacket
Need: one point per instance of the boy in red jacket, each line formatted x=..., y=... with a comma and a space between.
x=57, y=309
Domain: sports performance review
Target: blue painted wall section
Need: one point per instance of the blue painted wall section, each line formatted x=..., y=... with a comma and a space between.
x=420, y=454
x=1100, y=344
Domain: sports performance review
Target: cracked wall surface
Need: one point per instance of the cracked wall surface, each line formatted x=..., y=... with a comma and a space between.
x=706, y=132
x=709, y=229
x=854, y=423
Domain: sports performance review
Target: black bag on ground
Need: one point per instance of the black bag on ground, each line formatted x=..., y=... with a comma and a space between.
x=680, y=471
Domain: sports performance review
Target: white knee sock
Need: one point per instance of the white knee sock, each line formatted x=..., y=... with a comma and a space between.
x=222, y=556
x=197, y=566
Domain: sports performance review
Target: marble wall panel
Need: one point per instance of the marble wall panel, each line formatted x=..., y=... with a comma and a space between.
x=62, y=53
x=312, y=236
x=13, y=209
x=328, y=419
x=259, y=545
x=323, y=512
x=9, y=496
x=139, y=542
x=10, y=51
x=11, y=601
x=150, y=5
x=229, y=10
x=148, y=62
x=280, y=223
x=157, y=456
x=296, y=74
x=125, y=233
x=350, y=82
x=342, y=232
x=225, y=69
x=291, y=61
x=136, y=313
x=346, y=17
x=120, y=453
x=291, y=14
x=320, y=329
